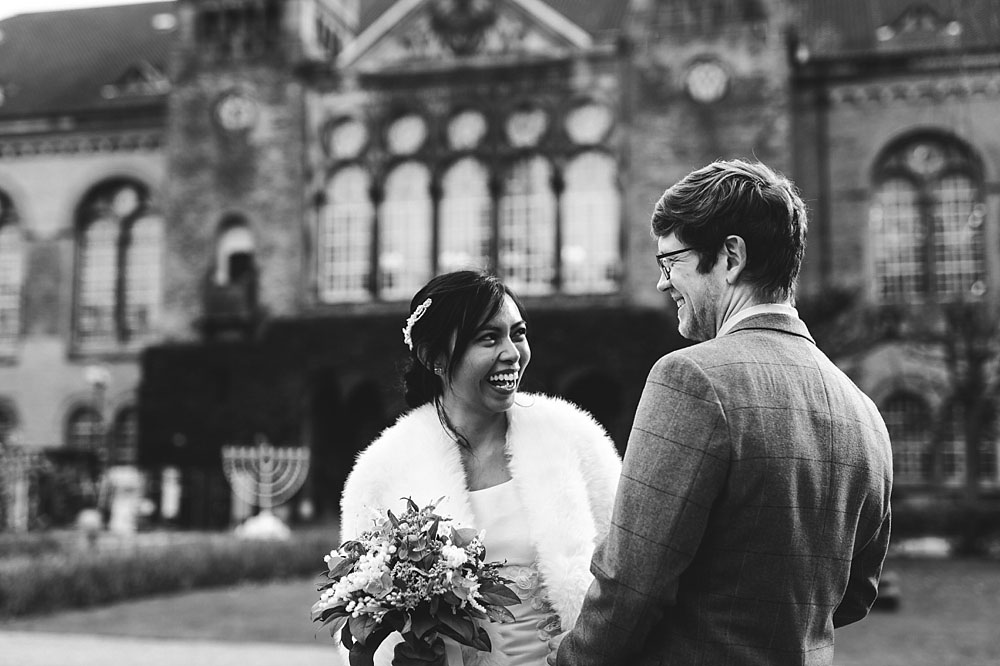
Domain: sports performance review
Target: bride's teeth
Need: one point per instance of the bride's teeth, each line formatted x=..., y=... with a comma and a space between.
x=503, y=378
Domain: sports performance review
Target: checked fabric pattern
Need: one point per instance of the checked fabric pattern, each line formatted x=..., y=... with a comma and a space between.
x=753, y=512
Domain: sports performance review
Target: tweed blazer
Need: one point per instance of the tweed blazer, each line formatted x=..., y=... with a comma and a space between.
x=564, y=467
x=752, y=517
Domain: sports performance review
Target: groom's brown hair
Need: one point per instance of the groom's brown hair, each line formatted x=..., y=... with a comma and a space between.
x=745, y=199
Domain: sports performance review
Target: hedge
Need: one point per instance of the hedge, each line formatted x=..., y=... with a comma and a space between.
x=79, y=577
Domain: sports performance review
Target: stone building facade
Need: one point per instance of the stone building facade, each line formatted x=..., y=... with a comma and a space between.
x=228, y=204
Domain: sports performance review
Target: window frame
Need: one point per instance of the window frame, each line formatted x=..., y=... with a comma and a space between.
x=897, y=163
x=13, y=301
x=122, y=339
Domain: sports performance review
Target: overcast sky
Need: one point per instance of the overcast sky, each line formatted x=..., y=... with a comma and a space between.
x=11, y=7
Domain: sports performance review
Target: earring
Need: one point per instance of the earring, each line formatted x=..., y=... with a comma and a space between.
x=438, y=370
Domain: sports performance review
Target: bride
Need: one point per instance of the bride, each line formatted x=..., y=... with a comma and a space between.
x=535, y=472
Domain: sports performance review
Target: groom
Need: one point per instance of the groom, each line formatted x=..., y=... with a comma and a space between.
x=752, y=517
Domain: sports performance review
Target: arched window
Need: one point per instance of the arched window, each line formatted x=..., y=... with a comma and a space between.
x=345, y=237
x=125, y=437
x=907, y=418
x=11, y=276
x=84, y=430
x=954, y=458
x=118, y=271
x=234, y=252
x=406, y=231
x=96, y=286
x=591, y=222
x=527, y=233
x=495, y=198
x=466, y=212
x=143, y=268
x=927, y=222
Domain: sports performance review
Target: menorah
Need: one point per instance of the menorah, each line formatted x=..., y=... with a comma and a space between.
x=266, y=477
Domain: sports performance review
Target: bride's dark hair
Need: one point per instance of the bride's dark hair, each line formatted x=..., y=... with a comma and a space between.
x=460, y=303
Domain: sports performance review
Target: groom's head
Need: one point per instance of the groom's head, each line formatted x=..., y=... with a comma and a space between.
x=749, y=200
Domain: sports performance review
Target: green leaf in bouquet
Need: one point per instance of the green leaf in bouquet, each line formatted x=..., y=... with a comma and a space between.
x=416, y=545
x=463, y=627
x=498, y=614
x=381, y=586
x=482, y=640
x=450, y=598
x=422, y=621
x=321, y=611
x=335, y=623
x=363, y=651
x=432, y=531
x=429, y=650
x=340, y=566
x=475, y=613
x=361, y=627
x=463, y=536
x=395, y=620
x=392, y=518
x=494, y=593
x=411, y=505
x=355, y=549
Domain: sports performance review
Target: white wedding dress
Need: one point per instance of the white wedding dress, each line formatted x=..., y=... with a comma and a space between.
x=499, y=512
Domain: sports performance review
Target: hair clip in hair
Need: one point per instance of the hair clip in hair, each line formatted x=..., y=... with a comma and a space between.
x=413, y=319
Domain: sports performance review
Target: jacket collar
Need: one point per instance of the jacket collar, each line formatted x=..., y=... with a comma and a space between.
x=780, y=323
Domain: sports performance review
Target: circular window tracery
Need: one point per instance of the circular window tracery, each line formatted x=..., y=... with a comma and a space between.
x=589, y=123
x=346, y=138
x=466, y=130
x=526, y=126
x=707, y=81
x=406, y=135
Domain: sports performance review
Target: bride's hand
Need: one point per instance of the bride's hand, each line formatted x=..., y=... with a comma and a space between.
x=554, y=649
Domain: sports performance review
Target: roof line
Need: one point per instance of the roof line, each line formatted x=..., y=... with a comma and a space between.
x=399, y=10
x=558, y=22
x=376, y=30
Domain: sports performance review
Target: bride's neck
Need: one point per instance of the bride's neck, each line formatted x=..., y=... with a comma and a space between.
x=483, y=432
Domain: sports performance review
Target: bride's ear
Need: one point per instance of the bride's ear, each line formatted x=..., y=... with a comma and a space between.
x=437, y=367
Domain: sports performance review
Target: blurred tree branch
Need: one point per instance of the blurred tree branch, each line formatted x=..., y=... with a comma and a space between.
x=966, y=336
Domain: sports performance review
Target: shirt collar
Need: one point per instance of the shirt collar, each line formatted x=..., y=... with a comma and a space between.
x=765, y=308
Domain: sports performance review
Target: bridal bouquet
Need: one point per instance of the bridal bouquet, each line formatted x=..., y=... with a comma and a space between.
x=417, y=574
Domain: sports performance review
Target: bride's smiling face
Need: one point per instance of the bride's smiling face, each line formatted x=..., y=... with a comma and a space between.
x=486, y=378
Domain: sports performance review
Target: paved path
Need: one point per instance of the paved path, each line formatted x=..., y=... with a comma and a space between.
x=30, y=648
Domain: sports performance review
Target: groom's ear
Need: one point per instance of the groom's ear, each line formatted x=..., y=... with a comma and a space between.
x=735, y=251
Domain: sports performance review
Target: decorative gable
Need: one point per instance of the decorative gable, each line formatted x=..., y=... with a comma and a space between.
x=419, y=32
x=918, y=25
x=142, y=78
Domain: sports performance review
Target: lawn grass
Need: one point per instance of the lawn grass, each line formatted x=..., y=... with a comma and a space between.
x=948, y=617
x=273, y=612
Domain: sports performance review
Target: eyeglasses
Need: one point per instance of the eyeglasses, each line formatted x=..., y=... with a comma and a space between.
x=666, y=261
